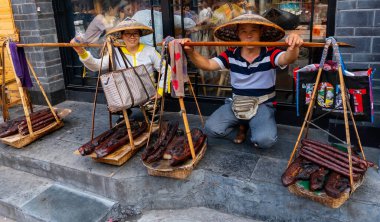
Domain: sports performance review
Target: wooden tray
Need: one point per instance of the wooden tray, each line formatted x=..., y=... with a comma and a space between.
x=162, y=168
x=124, y=153
x=300, y=189
x=20, y=141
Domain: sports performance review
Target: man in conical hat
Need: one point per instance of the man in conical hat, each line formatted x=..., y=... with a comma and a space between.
x=253, y=76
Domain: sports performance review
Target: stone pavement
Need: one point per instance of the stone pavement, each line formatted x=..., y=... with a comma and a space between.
x=231, y=179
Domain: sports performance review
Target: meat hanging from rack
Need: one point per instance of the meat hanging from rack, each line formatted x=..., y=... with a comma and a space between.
x=289, y=177
x=317, y=179
x=156, y=150
x=176, y=143
x=334, y=152
x=37, y=124
x=10, y=127
x=308, y=168
x=156, y=141
x=333, y=168
x=90, y=146
x=172, y=145
x=39, y=120
x=110, y=140
x=325, y=163
x=182, y=153
x=119, y=138
x=336, y=184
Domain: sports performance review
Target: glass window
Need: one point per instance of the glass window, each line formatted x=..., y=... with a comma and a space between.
x=93, y=18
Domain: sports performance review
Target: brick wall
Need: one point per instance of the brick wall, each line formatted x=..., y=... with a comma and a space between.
x=37, y=27
x=358, y=23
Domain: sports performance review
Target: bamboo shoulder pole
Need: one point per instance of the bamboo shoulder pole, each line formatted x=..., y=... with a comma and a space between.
x=43, y=92
x=187, y=128
x=346, y=124
x=128, y=124
x=3, y=96
x=196, y=103
x=96, y=93
x=356, y=129
x=307, y=116
x=22, y=95
x=142, y=108
x=262, y=44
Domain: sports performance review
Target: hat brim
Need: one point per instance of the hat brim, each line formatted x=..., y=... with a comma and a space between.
x=145, y=30
x=228, y=32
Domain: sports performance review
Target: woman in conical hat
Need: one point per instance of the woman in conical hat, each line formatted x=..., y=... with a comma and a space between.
x=253, y=76
x=128, y=32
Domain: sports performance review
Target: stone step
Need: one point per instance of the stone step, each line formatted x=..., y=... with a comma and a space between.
x=27, y=197
x=258, y=195
x=234, y=179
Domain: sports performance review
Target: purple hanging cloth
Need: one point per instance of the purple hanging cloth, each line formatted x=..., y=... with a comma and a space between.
x=20, y=65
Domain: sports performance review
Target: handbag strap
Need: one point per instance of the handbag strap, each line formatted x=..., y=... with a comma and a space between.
x=125, y=59
x=125, y=80
x=97, y=89
x=116, y=58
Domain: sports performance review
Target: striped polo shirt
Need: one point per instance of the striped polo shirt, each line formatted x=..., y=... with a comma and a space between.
x=251, y=79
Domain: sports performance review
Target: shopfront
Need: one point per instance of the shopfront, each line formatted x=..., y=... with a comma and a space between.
x=195, y=19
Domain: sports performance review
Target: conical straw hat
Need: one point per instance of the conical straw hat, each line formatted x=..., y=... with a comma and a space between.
x=270, y=31
x=129, y=24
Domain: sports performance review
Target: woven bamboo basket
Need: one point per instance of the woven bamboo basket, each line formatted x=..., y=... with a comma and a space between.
x=20, y=141
x=301, y=188
x=162, y=168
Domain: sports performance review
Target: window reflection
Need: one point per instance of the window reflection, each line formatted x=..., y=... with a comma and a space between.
x=93, y=18
x=196, y=19
x=96, y=17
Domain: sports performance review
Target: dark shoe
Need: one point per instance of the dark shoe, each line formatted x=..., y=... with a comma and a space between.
x=241, y=135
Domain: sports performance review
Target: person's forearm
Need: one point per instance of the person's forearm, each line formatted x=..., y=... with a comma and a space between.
x=93, y=64
x=199, y=61
x=291, y=56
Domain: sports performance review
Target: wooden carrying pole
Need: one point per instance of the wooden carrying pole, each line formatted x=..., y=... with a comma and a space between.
x=262, y=44
x=187, y=128
x=346, y=124
x=308, y=115
x=43, y=92
x=125, y=114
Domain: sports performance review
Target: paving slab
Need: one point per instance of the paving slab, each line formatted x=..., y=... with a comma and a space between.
x=195, y=214
x=59, y=203
x=229, y=163
x=17, y=188
x=27, y=197
x=269, y=170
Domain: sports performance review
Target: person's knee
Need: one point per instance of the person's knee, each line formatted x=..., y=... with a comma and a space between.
x=213, y=130
x=264, y=141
